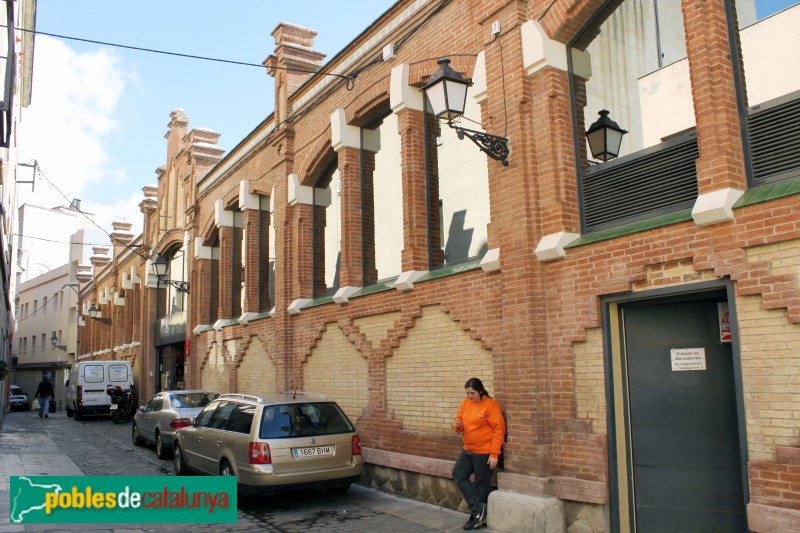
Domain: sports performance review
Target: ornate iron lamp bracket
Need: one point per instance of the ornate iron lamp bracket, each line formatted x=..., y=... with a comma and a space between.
x=492, y=145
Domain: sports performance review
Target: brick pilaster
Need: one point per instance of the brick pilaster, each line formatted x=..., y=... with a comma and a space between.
x=256, y=278
x=419, y=206
x=236, y=271
x=553, y=151
x=302, y=264
x=721, y=163
x=351, y=271
x=225, y=304
x=320, y=286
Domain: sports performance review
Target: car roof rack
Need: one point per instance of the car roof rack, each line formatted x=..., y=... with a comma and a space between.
x=238, y=396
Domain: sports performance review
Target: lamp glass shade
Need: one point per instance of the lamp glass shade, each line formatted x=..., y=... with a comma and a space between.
x=604, y=137
x=160, y=266
x=54, y=340
x=93, y=311
x=447, y=92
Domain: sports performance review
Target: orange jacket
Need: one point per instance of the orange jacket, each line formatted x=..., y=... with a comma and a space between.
x=484, y=429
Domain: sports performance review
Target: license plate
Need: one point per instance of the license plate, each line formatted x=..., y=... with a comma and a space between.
x=312, y=452
x=113, y=406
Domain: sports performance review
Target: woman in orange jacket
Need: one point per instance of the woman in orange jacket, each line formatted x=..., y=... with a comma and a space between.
x=482, y=427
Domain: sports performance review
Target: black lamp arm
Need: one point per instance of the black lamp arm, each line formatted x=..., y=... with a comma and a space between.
x=492, y=145
x=180, y=286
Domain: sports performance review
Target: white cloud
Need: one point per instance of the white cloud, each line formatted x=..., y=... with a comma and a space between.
x=122, y=210
x=74, y=112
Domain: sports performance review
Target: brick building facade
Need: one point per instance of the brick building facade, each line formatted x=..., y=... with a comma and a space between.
x=635, y=359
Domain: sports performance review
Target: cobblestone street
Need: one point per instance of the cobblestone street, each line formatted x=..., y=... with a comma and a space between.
x=59, y=445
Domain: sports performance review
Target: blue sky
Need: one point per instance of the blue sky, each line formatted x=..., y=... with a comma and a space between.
x=99, y=114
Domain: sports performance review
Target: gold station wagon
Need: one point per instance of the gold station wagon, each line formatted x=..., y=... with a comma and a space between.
x=287, y=441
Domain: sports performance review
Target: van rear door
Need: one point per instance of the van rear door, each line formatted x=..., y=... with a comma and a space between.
x=94, y=385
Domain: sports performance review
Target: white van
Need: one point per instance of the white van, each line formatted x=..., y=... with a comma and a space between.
x=88, y=380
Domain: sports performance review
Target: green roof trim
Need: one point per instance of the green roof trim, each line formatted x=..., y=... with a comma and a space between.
x=768, y=192
x=319, y=301
x=451, y=270
x=385, y=285
x=684, y=215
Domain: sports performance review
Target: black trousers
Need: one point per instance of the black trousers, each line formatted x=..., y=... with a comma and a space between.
x=476, y=494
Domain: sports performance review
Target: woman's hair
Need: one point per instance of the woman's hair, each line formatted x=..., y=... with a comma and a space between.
x=477, y=385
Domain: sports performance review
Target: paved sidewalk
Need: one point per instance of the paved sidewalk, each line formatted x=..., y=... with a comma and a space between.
x=27, y=448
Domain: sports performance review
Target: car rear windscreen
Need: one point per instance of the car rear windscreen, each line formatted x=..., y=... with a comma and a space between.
x=191, y=400
x=303, y=420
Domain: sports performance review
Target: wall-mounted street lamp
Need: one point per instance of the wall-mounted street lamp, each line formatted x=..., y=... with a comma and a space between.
x=54, y=342
x=93, y=312
x=160, y=267
x=447, y=94
x=605, y=137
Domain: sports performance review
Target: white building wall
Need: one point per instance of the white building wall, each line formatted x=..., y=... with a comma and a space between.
x=771, y=65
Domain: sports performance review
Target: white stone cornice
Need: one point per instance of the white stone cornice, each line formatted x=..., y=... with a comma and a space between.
x=343, y=295
x=200, y=251
x=220, y=323
x=200, y=328
x=479, y=88
x=135, y=277
x=126, y=281
x=248, y=200
x=552, y=246
x=303, y=194
x=296, y=306
x=222, y=216
x=344, y=135
x=406, y=280
x=491, y=261
x=715, y=207
x=150, y=279
x=118, y=300
x=401, y=94
x=247, y=317
x=539, y=52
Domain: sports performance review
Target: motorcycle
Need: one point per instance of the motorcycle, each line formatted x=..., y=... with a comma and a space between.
x=123, y=403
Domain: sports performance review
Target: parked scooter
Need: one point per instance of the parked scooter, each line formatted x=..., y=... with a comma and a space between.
x=123, y=403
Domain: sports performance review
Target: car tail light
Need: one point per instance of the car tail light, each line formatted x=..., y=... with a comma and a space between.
x=179, y=423
x=80, y=394
x=356, y=445
x=258, y=453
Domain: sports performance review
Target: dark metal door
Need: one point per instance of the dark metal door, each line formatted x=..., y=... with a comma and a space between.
x=683, y=425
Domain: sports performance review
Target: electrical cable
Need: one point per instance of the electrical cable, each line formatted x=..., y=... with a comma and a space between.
x=111, y=237
x=60, y=242
x=176, y=54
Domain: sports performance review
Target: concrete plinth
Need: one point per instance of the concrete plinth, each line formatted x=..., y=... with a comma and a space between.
x=510, y=512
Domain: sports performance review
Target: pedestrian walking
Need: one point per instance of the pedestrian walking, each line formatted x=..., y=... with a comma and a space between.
x=44, y=394
x=483, y=429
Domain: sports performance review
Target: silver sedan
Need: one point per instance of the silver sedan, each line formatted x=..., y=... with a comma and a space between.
x=159, y=420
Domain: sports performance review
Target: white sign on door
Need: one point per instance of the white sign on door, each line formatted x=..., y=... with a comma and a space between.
x=688, y=359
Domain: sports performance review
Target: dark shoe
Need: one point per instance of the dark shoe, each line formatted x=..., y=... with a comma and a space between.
x=470, y=523
x=40, y=415
x=45, y=416
x=480, y=520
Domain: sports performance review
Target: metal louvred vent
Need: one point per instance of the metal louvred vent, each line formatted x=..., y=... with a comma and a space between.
x=655, y=181
x=774, y=130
